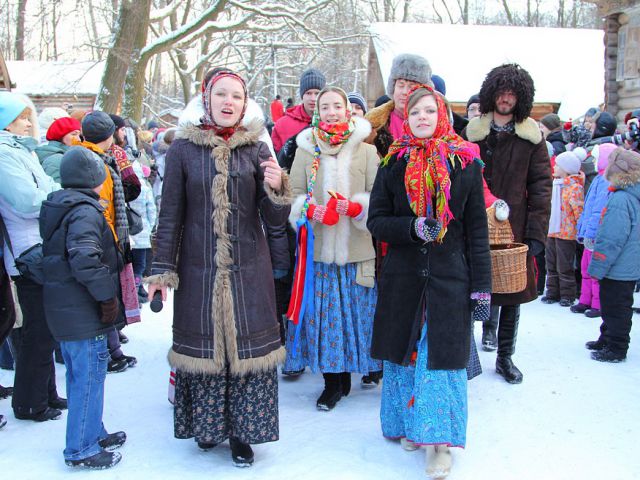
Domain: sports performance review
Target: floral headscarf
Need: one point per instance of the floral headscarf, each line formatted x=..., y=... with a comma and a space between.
x=207, y=121
x=333, y=134
x=430, y=161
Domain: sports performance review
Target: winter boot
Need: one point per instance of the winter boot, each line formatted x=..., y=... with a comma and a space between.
x=332, y=392
x=371, y=380
x=579, y=308
x=438, y=461
x=345, y=383
x=3, y=421
x=118, y=365
x=595, y=345
x=47, y=414
x=489, y=328
x=607, y=355
x=122, y=337
x=593, y=313
x=241, y=453
x=549, y=300
x=5, y=392
x=507, y=335
x=113, y=441
x=99, y=461
x=59, y=403
x=206, y=446
x=566, y=302
x=408, y=445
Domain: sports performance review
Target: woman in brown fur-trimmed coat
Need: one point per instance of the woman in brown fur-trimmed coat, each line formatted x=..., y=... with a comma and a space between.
x=220, y=184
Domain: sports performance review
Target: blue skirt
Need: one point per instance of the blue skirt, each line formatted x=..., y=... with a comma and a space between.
x=336, y=336
x=428, y=407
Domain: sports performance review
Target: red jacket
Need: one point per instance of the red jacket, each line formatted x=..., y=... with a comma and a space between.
x=277, y=110
x=294, y=121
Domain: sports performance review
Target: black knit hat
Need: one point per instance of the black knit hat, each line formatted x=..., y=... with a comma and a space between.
x=97, y=126
x=357, y=98
x=605, y=125
x=311, y=78
x=117, y=120
x=81, y=168
x=551, y=121
x=473, y=99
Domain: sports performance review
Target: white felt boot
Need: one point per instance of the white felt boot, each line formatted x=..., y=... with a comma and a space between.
x=438, y=461
x=408, y=445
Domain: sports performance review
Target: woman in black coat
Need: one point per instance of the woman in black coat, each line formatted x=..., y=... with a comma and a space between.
x=427, y=204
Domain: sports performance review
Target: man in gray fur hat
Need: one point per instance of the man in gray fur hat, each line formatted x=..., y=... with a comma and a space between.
x=407, y=70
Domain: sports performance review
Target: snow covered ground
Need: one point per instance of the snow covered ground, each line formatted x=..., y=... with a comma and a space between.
x=572, y=418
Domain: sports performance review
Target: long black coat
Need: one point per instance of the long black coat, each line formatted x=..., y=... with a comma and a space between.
x=81, y=264
x=444, y=274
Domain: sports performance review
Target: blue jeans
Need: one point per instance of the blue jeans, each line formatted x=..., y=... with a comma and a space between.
x=86, y=362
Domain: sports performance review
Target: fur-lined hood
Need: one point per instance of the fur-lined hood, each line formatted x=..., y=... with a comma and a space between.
x=253, y=122
x=478, y=129
x=379, y=116
x=360, y=133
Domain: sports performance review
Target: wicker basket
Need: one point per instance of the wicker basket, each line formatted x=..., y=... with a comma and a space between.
x=509, y=268
x=508, y=259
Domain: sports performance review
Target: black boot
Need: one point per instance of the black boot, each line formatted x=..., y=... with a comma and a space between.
x=345, y=383
x=507, y=334
x=372, y=379
x=489, y=328
x=332, y=392
x=241, y=453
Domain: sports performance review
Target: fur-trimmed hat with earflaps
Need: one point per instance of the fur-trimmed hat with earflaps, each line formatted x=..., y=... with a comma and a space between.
x=624, y=168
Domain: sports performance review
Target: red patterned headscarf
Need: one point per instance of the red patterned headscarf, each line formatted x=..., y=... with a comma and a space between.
x=430, y=161
x=208, y=123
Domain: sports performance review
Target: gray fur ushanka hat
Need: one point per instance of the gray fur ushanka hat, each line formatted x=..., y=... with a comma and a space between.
x=409, y=67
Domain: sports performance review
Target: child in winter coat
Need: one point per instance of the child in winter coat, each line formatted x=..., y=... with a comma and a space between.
x=145, y=206
x=615, y=256
x=566, y=207
x=81, y=265
x=595, y=201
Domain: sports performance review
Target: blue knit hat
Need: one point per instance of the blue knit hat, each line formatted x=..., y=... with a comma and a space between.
x=357, y=98
x=311, y=78
x=11, y=106
x=439, y=84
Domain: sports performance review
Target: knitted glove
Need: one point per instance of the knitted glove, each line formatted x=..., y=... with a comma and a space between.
x=322, y=214
x=589, y=243
x=427, y=229
x=481, y=306
x=501, y=210
x=109, y=310
x=343, y=206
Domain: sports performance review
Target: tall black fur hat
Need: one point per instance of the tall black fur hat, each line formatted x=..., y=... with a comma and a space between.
x=509, y=76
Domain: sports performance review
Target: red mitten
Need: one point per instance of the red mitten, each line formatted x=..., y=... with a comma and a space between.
x=344, y=206
x=325, y=215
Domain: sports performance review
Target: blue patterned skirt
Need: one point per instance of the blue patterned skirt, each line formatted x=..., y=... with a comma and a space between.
x=428, y=407
x=336, y=336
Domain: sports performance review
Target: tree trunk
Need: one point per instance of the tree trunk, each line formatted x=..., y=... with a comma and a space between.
x=19, y=47
x=132, y=22
x=507, y=12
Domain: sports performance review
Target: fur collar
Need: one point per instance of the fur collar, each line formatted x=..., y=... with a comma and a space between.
x=360, y=133
x=478, y=129
x=379, y=116
x=248, y=135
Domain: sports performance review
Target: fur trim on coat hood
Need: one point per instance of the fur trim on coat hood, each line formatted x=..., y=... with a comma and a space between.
x=379, y=116
x=194, y=111
x=623, y=169
x=479, y=128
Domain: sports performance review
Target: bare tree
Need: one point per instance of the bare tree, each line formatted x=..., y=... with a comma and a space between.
x=19, y=47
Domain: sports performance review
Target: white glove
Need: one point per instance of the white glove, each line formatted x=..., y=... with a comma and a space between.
x=501, y=210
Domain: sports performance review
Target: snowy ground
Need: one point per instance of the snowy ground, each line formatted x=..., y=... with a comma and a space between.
x=572, y=418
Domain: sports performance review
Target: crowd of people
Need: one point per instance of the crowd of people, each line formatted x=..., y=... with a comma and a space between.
x=330, y=236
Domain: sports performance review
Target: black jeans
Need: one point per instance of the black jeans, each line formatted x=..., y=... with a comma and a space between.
x=34, y=383
x=561, y=276
x=616, y=302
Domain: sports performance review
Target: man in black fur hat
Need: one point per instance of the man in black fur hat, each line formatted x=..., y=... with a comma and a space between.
x=518, y=171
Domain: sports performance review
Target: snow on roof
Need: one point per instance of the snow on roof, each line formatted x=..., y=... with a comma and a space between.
x=54, y=78
x=567, y=65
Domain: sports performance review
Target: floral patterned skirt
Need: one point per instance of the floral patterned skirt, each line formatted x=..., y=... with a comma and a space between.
x=212, y=408
x=428, y=407
x=336, y=336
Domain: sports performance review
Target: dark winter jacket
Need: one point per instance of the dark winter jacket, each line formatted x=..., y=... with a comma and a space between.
x=557, y=142
x=294, y=121
x=50, y=155
x=210, y=239
x=81, y=264
x=518, y=171
x=441, y=274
